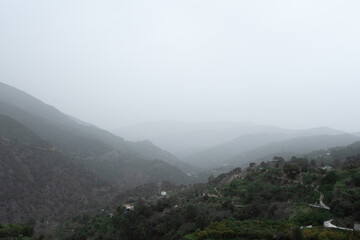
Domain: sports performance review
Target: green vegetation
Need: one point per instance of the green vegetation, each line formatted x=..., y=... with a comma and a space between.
x=53, y=168
x=311, y=216
x=329, y=234
x=248, y=229
x=268, y=200
x=19, y=231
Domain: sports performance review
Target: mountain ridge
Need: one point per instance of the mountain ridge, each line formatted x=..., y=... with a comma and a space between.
x=69, y=133
x=296, y=146
x=119, y=161
x=38, y=181
x=184, y=139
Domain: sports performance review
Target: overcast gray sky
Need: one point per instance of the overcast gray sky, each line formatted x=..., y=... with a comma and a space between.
x=112, y=63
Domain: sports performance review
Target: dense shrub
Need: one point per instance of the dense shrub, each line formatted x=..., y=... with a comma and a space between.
x=14, y=230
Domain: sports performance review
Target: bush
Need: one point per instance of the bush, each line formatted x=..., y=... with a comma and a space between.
x=314, y=217
x=14, y=230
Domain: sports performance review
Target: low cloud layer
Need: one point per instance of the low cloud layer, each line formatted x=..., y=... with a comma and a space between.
x=113, y=63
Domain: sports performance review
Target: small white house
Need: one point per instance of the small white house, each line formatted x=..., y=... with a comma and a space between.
x=128, y=207
x=327, y=167
x=163, y=193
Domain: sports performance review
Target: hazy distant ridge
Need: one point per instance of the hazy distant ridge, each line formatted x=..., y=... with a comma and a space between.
x=87, y=142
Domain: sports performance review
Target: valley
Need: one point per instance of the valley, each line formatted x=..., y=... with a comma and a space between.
x=179, y=120
x=62, y=178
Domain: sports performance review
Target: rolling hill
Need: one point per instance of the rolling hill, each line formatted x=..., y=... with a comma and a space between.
x=245, y=143
x=184, y=139
x=294, y=146
x=335, y=155
x=218, y=154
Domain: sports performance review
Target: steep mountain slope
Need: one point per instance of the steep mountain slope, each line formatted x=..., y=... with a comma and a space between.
x=131, y=172
x=295, y=146
x=67, y=133
x=38, y=181
x=88, y=142
x=147, y=150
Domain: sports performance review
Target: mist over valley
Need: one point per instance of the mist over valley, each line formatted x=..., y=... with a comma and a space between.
x=171, y=120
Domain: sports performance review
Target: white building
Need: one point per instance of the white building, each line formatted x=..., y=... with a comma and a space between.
x=327, y=167
x=128, y=207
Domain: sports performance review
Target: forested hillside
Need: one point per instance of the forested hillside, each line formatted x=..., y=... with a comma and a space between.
x=272, y=200
x=38, y=181
x=125, y=163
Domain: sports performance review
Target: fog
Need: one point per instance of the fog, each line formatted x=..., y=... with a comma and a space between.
x=293, y=64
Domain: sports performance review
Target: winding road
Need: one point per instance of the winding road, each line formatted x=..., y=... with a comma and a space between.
x=322, y=204
x=328, y=223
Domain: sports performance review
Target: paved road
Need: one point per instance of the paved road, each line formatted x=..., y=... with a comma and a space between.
x=328, y=224
x=321, y=201
x=322, y=204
